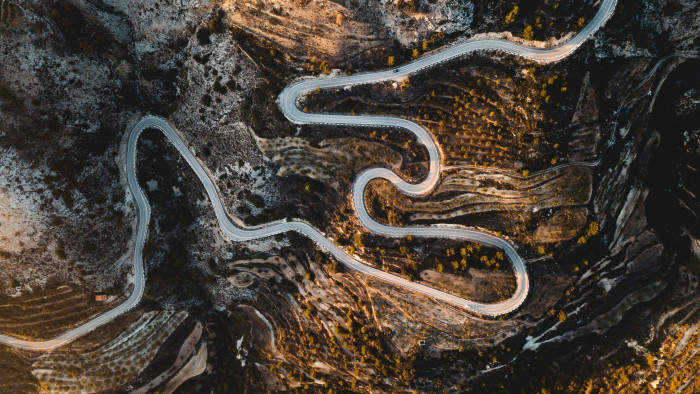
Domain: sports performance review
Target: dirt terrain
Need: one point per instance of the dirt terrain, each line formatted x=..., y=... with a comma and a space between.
x=586, y=166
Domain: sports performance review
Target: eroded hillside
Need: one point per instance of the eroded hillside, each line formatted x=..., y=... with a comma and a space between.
x=587, y=166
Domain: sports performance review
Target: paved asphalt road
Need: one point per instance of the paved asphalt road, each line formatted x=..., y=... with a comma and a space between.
x=236, y=231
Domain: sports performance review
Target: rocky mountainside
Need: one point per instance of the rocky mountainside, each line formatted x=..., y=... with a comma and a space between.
x=589, y=166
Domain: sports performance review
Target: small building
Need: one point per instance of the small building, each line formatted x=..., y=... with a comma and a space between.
x=100, y=297
x=421, y=342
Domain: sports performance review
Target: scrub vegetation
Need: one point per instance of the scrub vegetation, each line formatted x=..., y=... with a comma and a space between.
x=111, y=365
x=47, y=313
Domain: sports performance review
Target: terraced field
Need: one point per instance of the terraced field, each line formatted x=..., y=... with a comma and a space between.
x=502, y=146
x=484, y=116
x=9, y=13
x=332, y=162
x=466, y=191
x=14, y=375
x=46, y=314
x=114, y=363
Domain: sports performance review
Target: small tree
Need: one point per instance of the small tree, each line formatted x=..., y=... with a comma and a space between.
x=528, y=33
x=359, y=240
x=562, y=316
x=510, y=18
x=390, y=61
x=593, y=228
x=650, y=360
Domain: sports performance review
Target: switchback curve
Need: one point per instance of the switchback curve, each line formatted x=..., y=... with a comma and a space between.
x=288, y=104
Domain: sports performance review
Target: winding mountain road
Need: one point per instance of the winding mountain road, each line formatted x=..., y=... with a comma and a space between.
x=236, y=231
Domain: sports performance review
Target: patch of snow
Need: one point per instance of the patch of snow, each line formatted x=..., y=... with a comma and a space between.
x=686, y=337
x=607, y=284
x=508, y=36
x=654, y=383
x=532, y=343
x=242, y=353
x=632, y=344
x=577, y=310
x=694, y=245
x=318, y=364
x=265, y=244
x=450, y=16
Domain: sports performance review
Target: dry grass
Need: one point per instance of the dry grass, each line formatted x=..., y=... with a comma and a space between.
x=45, y=314
x=477, y=285
x=306, y=28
